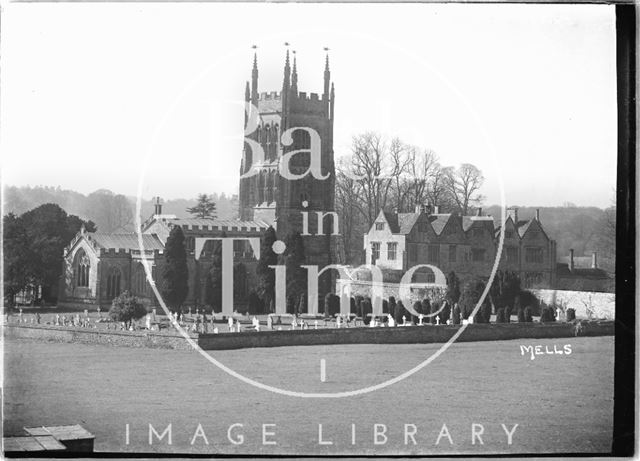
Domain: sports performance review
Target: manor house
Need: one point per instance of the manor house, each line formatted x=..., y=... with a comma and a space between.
x=466, y=245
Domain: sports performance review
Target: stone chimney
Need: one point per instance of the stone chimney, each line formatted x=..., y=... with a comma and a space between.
x=513, y=212
x=538, y=214
x=571, y=259
x=157, y=207
x=594, y=260
x=479, y=212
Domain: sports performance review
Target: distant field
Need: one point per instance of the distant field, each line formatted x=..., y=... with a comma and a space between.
x=561, y=403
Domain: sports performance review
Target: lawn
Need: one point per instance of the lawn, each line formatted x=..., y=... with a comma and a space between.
x=561, y=403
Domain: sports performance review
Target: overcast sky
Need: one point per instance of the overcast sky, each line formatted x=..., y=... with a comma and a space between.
x=525, y=92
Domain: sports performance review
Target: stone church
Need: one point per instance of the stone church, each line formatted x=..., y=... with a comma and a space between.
x=99, y=266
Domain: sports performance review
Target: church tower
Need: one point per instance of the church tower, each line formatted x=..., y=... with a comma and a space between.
x=265, y=194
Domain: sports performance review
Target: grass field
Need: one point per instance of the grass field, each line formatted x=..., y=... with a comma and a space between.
x=561, y=403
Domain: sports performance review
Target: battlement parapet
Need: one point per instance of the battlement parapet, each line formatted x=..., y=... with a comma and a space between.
x=270, y=95
x=113, y=252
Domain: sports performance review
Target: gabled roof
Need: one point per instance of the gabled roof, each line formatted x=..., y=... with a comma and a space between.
x=406, y=221
x=439, y=222
x=392, y=220
x=125, y=241
x=523, y=226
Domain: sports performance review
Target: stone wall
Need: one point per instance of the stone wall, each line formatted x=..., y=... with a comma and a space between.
x=600, y=305
x=168, y=340
x=326, y=336
x=402, y=335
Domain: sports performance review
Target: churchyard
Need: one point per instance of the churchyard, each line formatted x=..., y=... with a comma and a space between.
x=561, y=403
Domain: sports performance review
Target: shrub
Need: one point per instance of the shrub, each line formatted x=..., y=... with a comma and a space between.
x=385, y=306
x=455, y=315
x=547, y=315
x=366, y=310
x=479, y=317
x=392, y=306
x=445, y=314
x=529, y=299
x=470, y=296
x=359, y=302
x=417, y=306
x=426, y=306
x=571, y=314
x=400, y=311
x=486, y=312
x=126, y=308
x=527, y=314
x=521, y=316
x=334, y=304
x=435, y=307
x=254, y=303
x=327, y=305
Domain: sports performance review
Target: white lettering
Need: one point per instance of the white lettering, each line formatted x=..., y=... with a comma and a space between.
x=199, y=433
x=476, y=431
x=509, y=433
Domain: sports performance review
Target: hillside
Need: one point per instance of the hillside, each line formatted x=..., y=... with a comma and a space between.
x=585, y=229
x=111, y=212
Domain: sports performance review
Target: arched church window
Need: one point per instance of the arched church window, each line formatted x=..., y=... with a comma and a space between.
x=81, y=267
x=113, y=283
x=140, y=280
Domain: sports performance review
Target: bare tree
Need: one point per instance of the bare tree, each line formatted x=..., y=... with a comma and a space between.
x=462, y=184
x=375, y=163
x=346, y=203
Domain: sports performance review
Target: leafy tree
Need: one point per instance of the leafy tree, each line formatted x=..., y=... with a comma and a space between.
x=470, y=296
x=445, y=314
x=266, y=275
x=352, y=306
x=327, y=305
x=175, y=273
x=527, y=315
x=126, y=308
x=400, y=311
x=417, y=306
x=294, y=259
x=455, y=315
x=36, y=256
x=254, y=303
x=453, y=288
x=239, y=281
x=213, y=288
x=15, y=247
x=205, y=208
